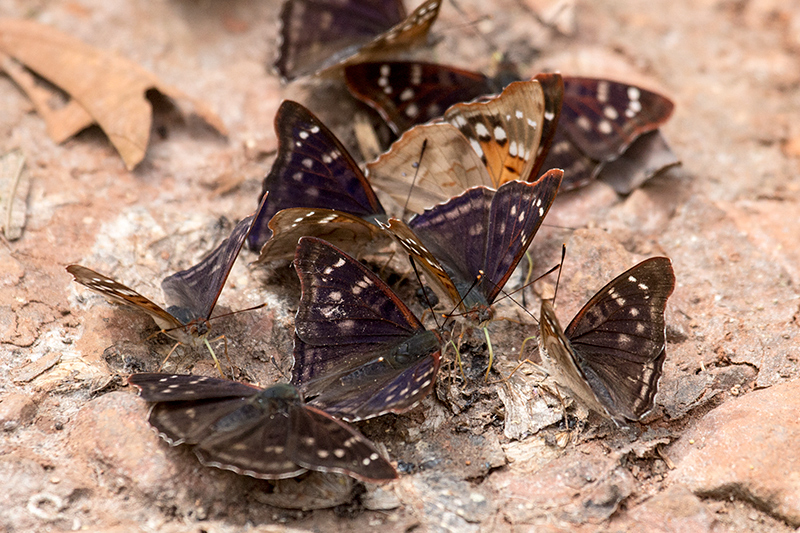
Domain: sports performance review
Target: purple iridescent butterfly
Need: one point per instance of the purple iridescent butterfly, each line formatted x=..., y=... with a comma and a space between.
x=469, y=246
x=264, y=433
x=359, y=351
x=606, y=129
x=317, y=35
x=315, y=188
x=611, y=354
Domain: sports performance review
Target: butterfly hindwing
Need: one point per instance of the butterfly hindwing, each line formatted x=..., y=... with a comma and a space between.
x=354, y=336
x=612, y=352
x=192, y=293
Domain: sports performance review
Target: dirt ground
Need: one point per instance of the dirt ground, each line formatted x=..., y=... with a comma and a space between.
x=719, y=452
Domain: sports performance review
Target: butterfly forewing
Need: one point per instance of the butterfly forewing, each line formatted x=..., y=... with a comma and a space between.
x=602, y=117
x=354, y=337
x=505, y=131
x=470, y=245
x=192, y=293
x=612, y=352
x=341, y=229
x=312, y=170
x=314, y=30
x=318, y=35
x=318, y=437
x=407, y=93
x=121, y=294
x=262, y=433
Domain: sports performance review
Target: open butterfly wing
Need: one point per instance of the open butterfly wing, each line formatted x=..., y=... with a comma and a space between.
x=603, y=117
x=122, y=294
x=612, y=352
x=192, y=293
x=517, y=211
x=354, y=336
x=407, y=93
x=320, y=442
x=313, y=169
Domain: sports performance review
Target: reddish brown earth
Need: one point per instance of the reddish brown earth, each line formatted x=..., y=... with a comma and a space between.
x=719, y=453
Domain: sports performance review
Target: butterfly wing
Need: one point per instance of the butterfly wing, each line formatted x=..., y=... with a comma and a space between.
x=121, y=294
x=505, y=131
x=355, y=339
x=477, y=238
x=314, y=170
x=617, y=340
x=351, y=29
x=599, y=121
x=428, y=165
x=313, y=31
x=320, y=442
x=645, y=157
x=407, y=93
x=192, y=293
x=338, y=228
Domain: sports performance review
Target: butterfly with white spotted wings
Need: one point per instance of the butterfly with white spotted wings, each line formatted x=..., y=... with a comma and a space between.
x=263, y=433
x=359, y=351
x=190, y=294
x=317, y=36
x=611, y=354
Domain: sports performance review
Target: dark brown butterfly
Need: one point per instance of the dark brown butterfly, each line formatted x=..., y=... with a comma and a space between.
x=601, y=122
x=611, y=354
x=359, y=350
x=317, y=35
x=264, y=433
x=190, y=294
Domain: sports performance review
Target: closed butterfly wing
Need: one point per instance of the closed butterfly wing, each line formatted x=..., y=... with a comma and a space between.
x=317, y=35
x=312, y=170
x=505, y=131
x=192, y=293
x=428, y=165
x=359, y=351
x=612, y=353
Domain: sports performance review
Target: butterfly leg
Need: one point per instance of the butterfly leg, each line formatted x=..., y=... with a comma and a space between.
x=164, y=362
x=491, y=352
x=214, y=356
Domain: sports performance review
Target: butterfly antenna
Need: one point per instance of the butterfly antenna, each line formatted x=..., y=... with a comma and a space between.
x=424, y=292
x=472, y=25
x=259, y=306
x=560, y=265
x=511, y=294
x=418, y=164
x=478, y=279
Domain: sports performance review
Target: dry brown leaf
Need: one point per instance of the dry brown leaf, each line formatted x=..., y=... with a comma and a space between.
x=14, y=187
x=109, y=88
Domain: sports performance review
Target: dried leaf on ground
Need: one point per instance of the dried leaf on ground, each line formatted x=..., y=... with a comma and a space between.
x=14, y=187
x=110, y=89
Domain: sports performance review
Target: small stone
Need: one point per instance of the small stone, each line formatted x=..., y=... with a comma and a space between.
x=16, y=409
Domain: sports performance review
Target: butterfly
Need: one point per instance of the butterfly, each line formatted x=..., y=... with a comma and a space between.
x=317, y=35
x=600, y=119
x=611, y=354
x=359, y=351
x=315, y=188
x=487, y=143
x=469, y=246
x=190, y=294
x=266, y=433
